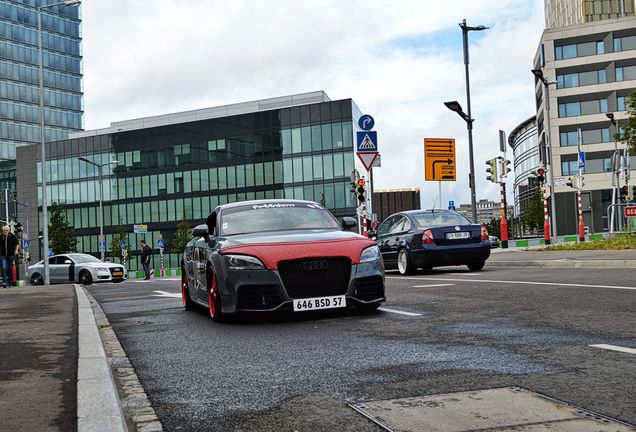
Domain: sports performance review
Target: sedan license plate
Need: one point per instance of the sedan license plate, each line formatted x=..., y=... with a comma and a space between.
x=458, y=235
x=315, y=303
x=118, y=274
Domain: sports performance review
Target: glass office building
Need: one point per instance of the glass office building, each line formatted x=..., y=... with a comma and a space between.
x=183, y=165
x=19, y=75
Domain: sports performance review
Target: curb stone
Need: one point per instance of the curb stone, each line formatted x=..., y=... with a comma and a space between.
x=139, y=414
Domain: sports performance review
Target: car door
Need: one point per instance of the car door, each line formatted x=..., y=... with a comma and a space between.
x=395, y=238
x=199, y=269
x=382, y=238
x=58, y=268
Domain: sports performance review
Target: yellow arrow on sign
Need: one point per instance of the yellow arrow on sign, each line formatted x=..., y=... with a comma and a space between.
x=439, y=159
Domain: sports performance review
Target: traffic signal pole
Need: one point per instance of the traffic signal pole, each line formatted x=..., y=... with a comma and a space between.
x=546, y=217
x=503, y=223
x=580, y=208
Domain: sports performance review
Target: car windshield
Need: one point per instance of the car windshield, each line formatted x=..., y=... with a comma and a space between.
x=84, y=258
x=275, y=217
x=431, y=219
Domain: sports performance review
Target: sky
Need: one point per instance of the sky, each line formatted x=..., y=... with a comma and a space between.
x=398, y=60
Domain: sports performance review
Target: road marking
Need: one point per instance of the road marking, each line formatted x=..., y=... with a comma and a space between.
x=432, y=285
x=412, y=314
x=513, y=282
x=166, y=294
x=615, y=348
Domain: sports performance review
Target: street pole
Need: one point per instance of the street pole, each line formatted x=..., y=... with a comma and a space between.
x=548, y=145
x=615, y=175
x=102, y=243
x=471, y=175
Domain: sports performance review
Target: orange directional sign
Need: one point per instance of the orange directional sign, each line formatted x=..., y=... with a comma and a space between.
x=439, y=159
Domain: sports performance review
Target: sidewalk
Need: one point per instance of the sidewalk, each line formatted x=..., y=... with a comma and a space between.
x=536, y=257
x=54, y=374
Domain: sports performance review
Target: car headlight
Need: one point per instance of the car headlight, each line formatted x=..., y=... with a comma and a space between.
x=370, y=254
x=243, y=262
x=101, y=269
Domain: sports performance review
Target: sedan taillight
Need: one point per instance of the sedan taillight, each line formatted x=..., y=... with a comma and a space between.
x=484, y=233
x=427, y=237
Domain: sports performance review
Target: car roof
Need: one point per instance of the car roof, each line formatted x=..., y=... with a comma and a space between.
x=431, y=211
x=266, y=201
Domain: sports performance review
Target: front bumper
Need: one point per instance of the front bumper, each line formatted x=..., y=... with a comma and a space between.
x=264, y=290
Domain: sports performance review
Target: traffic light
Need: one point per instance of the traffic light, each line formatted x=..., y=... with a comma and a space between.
x=624, y=192
x=539, y=173
x=579, y=182
x=630, y=193
x=570, y=182
x=492, y=170
x=18, y=229
x=360, y=191
x=505, y=169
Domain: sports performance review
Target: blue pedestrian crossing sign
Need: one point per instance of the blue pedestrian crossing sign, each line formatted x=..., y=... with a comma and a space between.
x=122, y=244
x=101, y=245
x=366, y=141
x=451, y=205
x=50, y=252
x=581, y=159
x=160, y=243
x=25, y=244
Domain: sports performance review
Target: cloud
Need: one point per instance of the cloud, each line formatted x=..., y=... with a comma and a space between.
x=398, y=60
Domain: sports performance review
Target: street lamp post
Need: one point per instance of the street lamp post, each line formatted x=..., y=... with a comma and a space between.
x=548, y=149
x=454, y=106
x=45, y=215
x=615, y=172
x=101, y=242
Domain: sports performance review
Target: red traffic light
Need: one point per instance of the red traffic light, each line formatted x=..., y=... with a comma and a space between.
x=361, y=182
x=540, y=171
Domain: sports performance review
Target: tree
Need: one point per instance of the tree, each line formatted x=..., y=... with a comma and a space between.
x=115, y=243
x=61, y=233
x=182, y=236
x=494, y=227
x=629, y=130
x=532, y=217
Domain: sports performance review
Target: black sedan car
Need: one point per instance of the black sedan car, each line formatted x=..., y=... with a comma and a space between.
x=431, y=238
x=279, y=254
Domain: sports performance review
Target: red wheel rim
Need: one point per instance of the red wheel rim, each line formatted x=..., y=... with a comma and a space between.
x=212, y=293
x=184, y=287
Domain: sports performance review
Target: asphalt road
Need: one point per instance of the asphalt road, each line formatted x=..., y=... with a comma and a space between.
x=531, y=328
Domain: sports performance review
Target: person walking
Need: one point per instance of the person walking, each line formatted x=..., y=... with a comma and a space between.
x=146, y=253
x=9, y=248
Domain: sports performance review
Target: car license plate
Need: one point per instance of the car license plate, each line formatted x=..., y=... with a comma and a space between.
x=315, y=303
x=458, y=235
x=118, y=274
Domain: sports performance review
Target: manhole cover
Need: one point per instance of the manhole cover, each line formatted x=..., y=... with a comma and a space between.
x=505, y=409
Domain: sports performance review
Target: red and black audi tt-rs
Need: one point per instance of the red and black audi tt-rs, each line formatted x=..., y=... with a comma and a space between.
x=273, y=254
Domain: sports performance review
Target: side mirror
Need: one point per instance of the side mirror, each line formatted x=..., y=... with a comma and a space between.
x=201, y=231
x=348, y=223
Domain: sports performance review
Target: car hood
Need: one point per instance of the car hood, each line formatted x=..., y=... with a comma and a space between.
x=274, y=247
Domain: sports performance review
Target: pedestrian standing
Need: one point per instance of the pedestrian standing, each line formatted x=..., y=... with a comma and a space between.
x=9, y=248
x=146, y=253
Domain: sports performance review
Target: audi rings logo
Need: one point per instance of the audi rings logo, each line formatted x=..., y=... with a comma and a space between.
x=315, y=265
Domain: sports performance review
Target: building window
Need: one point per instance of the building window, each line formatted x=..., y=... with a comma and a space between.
x=625, y=43
x=579, y=50
x=573, y=109
x=620, y=103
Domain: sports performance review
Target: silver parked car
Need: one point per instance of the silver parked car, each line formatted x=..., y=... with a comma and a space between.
x=77, y=267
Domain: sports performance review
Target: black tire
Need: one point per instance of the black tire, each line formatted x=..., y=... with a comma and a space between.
x=85, y=278
x=476, y=266
x=405, y=266
x=214, y=297
x=188, y=304
x=37, y=279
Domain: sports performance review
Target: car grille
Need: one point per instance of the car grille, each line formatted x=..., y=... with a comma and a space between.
x=114, y=269
x=258, y=297
x=315, y=277
x=369, y=288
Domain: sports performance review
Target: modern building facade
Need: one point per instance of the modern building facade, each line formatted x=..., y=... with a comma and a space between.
x=183, y=165
x=389, y=201
x=562, y=13
x=525, y=148
x=487, y=210
x=19, y=76
x=591, y=69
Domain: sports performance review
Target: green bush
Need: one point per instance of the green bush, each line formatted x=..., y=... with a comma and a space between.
x=615, y=242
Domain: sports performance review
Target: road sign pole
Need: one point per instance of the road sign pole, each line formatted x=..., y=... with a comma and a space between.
x=546, y=220
x=580, y=208
x=162, y=271
x=503, y=223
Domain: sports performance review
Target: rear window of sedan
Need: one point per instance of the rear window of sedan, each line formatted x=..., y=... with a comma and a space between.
x=433, y=219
